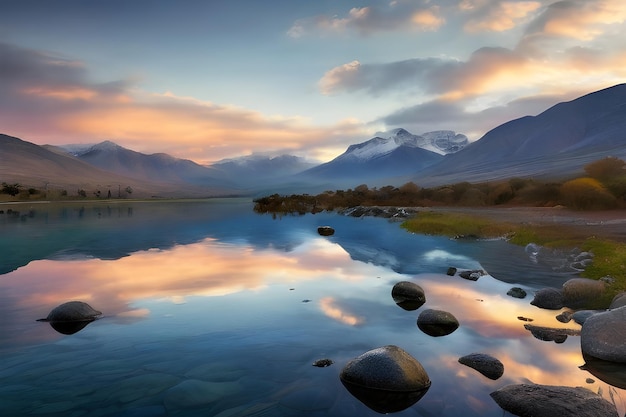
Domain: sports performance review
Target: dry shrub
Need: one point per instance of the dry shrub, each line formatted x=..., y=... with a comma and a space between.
x=586, y=194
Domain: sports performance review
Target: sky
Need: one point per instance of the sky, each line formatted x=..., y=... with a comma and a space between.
x=212, y=79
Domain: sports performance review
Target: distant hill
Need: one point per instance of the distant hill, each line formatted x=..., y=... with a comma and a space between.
x=159, y=167
x=258, y=171
x=554, y=144
x=39, y=167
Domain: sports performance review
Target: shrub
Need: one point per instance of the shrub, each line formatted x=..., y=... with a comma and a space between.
x=586, y=194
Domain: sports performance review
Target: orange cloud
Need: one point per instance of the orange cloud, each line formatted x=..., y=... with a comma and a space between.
x=504, y=16
x=584, y=21
x=428, y=20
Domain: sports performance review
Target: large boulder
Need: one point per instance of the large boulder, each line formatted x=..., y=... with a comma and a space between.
x=548, y=298
x=408, y=295
x=437, y=322
x=387, y=379
x=531, y=400
x=583, y=293
x=603, y=336
x=487, y=365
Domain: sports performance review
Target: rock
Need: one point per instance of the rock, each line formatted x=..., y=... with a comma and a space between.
x=516, y=292
x=581, y=316
x=387, y=379
x=549, y=334
x=618, y=301
x=322, y=363
x=548, y=298
x=71, y=317
x=582, y=293
x=325, y=231
x=531, y=400
x=437, y=322
x=487, y=365
x=451, y=271
x=565, y=317
x=72, y=311
x=603, y=336
x=408, y=295
x=472, y=275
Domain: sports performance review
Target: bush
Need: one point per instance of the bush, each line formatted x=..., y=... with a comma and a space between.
x=586, y=194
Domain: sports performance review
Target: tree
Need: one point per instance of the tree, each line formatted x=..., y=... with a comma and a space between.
x=11, y=189
x=606, y=169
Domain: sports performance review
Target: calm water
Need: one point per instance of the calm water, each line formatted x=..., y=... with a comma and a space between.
x=213, y=310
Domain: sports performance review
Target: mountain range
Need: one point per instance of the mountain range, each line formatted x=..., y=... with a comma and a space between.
x=554, y=144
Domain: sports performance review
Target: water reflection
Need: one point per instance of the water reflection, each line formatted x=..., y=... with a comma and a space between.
x=212, y=292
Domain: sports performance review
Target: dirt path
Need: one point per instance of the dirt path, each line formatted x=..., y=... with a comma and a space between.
x=607, y=223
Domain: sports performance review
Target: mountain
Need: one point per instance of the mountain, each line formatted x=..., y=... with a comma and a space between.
x=554, y=144
x=397, y=153
x=42, y=167
x=154, y=167
x=256, y=170
x=442, y=142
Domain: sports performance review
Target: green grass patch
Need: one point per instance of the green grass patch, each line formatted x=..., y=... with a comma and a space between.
x=456, y=224
x=609, y=255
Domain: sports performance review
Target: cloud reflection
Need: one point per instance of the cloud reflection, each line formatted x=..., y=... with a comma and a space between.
x=208, y=268
x=331, y=308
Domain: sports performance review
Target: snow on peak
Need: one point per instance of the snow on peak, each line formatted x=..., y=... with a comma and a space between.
x=441, y=141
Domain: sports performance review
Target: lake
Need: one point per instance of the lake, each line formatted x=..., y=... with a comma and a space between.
x=210, y=309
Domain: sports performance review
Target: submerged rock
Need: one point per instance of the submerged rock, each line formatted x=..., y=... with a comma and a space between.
x=532, y=400
x=408, y=295
x=549, y=334
x=516, y=292
x=603, y=336
x=322, y=363
x=437, y=322
x=387, y=379
x=487, y=365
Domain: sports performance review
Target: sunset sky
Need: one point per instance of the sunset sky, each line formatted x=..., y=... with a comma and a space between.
x=213, y=79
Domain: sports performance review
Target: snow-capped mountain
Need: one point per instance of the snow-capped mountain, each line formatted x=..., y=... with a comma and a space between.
x=397, y=154
x=443, y=142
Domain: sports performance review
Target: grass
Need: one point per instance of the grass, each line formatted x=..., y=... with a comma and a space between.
x=609, y=255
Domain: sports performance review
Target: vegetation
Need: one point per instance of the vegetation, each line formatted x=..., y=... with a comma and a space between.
x=604, y=187
x=17, y=192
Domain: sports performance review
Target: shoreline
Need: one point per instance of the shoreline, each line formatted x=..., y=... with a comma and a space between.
x=602, y=223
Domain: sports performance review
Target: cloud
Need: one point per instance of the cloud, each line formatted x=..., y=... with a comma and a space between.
x=499, y=16
x=50, y=99
x=486, y=68
x=577, y=19
x=395, y=16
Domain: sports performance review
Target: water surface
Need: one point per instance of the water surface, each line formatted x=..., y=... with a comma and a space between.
x=211, y=309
